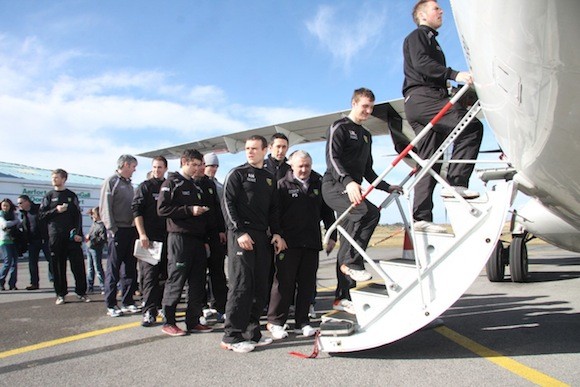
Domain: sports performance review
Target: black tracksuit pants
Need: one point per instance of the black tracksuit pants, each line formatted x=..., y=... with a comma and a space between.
x=151, y=284
x=248, y=287
x=359, y=224
x=63, y=249
x=186, y=261
x=218, y=289
x=421, y=105
x=295, y=273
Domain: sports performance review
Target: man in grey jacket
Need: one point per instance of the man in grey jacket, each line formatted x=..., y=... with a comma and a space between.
x=115, y=203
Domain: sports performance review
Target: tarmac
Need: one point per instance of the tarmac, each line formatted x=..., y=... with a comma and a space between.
x=515, y=334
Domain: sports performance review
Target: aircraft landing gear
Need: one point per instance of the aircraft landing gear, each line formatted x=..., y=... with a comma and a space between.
x=518, y=257
x=495, y=267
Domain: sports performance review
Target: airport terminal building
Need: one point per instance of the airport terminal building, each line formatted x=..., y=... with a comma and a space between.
x=17, y=179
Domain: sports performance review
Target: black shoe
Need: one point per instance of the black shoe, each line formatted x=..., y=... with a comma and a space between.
x=32, y=287
x=13, y=288
x=148, y=320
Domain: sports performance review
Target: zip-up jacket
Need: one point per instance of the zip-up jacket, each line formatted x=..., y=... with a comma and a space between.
x=348, y=154
x=302, y=210
x=115, y=203
x=275, y=167
x=424, y=61
x=211, y=199
x=177, y=197
x=145, y=205
x=69, y=222
x=250, y=200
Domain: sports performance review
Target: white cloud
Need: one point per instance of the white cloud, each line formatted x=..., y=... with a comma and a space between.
x=345, y=34
x=52, y=119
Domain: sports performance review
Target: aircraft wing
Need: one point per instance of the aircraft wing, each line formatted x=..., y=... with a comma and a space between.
x=312, y=129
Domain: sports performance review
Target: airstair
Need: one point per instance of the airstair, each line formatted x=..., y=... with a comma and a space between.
x=412, y=293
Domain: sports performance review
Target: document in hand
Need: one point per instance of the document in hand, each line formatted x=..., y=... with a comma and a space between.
x=152, y=255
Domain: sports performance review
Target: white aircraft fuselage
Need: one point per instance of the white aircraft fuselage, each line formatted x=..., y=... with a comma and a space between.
x=524, y=58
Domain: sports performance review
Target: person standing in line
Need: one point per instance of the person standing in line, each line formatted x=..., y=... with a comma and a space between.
x=425, y=92
x=217, y=284
x=181, y=203
x=151, y=227
x=37, y=239
x=348, y=161
x=61, y=211
x=250, y=208
x=8, y=223
x=300, y=193
x=96, y=240
x=276, y=161
x=117, y=216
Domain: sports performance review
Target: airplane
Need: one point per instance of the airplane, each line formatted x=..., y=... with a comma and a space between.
x=527, y=77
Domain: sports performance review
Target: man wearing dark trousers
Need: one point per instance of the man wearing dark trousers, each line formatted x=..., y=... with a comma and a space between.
x=181, y=202
x=60, y=210
x=250, y=209
x=300, y=194
x=348, y=161
x=115, y=205
x=151, y=228
x=425, y=92
x=37, y=238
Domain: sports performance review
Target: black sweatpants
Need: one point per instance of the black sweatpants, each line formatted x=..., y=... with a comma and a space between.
x=217, y=277
x=421, y=105
x=360, y=224
x=248, y=287
x=63, y=249
x=186, y=261
x=151, y=286
x=295, y=273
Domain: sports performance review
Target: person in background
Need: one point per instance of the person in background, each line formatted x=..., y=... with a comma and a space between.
x=151, y=228
x=181, y=203
x=9, y=222
x=300, y=193
x=115, y=204
x=36, y=237
x=61, y=211
x=96, y=240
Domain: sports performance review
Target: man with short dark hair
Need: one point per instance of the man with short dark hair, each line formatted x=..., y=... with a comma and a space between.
x=181, y=202
x=151, y=228
x=37, y=238
x=61, y=211
x=115, y=204
x=426, y=94
x=276, y=161
x=250, y=208
x=348, y=161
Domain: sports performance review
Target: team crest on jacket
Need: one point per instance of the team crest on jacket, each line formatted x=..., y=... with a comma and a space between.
x=366, y=139
x=316, y=192
x=211, y=191
x=269, y=181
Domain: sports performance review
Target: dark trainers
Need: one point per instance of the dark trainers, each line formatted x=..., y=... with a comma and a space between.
x=148, y=320
x=200, y=328
x=173, y=330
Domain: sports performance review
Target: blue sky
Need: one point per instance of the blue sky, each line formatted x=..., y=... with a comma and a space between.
x=82, y=82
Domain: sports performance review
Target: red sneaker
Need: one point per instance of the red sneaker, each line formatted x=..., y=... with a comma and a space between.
x=200, y=328
x=173, y=330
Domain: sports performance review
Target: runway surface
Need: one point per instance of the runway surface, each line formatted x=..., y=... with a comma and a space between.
x=496, y=334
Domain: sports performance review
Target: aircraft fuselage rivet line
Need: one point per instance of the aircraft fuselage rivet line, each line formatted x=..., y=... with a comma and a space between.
x=497, y=358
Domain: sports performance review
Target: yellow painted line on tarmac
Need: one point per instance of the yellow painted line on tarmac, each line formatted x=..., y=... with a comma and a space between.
x=68, y=339
x=497, y=358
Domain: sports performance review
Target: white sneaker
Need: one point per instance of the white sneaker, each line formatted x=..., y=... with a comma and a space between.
x=129, y=309
x=311, y=312
x=306, y=331
x=208, y=312
x=202, y=320
x=59, y=300
x=424, y=226
x=356, y=275
x=114, y=311
x=278, y=331
x=263, y=341
x=462, y=191
x=241, y=347
x=344, y=305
